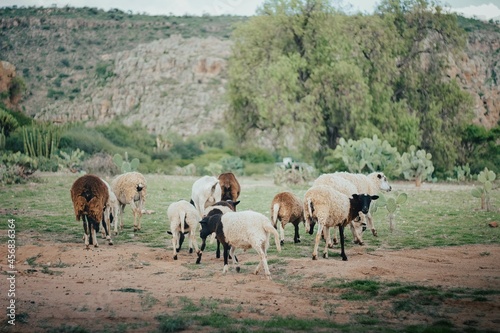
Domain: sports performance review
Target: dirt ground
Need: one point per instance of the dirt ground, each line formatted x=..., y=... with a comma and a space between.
x=95, y=289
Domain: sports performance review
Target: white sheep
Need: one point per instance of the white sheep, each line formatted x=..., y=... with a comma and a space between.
x=183, y=218
x=243, y=230
x=370, y=184
x=205, y=192
x=287, y=207
x=130, y=189
x=330, y=208
x=111, y=212
x=344, y=186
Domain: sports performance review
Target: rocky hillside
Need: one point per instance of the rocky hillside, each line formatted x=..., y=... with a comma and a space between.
x=169, y=73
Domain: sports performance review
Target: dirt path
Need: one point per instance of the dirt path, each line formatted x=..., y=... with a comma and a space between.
x=64, y=284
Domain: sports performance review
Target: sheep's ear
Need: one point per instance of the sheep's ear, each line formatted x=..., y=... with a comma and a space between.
x=379, y=176
x=168, y=232
x=355, y=196
x=213, y=187
x=236, y=202
x=374, y=197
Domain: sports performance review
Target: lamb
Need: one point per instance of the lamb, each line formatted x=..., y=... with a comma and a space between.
x=370, y=184
x=90, y=195
x=205, y=192
x=130, y=189
x=220, y=207
x=112, y=209
x=330, y=208
x=245, y=230
x=183, y=218
x=346, y=187
x=287, y=207
x=229, y=186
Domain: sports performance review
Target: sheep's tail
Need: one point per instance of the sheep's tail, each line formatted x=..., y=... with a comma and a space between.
x=182, y=220
x=276, y=208
x=271, y=229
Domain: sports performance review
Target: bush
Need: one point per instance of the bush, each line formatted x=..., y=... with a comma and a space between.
x=257, y=155
x=135, y=136
x=7, y=122
x=101, y=164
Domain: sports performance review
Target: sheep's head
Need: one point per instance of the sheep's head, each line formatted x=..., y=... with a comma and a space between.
x=360, y=203
x=382, y=182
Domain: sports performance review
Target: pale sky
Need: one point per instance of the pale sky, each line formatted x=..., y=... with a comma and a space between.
x=482, y=9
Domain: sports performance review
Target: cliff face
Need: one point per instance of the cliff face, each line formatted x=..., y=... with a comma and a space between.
x=172, y=84
x=478, y=71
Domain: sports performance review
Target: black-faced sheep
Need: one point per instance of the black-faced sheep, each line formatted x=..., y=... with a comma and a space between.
x=183, y=218
x=330, y=208
x=205, y=192
x=89, y=195
x=218, y=208
x=130, y=189
x=370, y=184
x=229, y=186
x=243, y=230
x=287, y=207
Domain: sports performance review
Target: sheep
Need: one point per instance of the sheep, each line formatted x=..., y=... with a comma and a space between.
x=220, y=207
x=346, y=187
x=287, y=207
x=229, y=186
x=370, y=184
x=112, y=210
x=205, y=192
x=330, y=208
x=245, y=230
x=90, y=195
x=183, y=218
x=130, y=189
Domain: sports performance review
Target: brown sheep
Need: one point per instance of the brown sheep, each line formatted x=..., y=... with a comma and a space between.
x=90, y=195
x=287, y=207
x=229, y=186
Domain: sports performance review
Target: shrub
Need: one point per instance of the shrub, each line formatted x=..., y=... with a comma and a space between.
x=100, y=163
x=7, y=122
x=257, y=155
x=16, y=168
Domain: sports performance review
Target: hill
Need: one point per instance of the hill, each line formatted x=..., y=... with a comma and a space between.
x=168, y=73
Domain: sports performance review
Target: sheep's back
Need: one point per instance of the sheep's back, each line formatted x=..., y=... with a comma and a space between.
x=241, y=228
x=289, y=205
x=125, y=187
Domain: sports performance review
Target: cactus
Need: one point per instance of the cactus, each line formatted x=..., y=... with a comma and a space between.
x=463, y=172
x=486, y=177
x=391, y=203
x=417, y=165
x=368, y=155
x=123, y=163
x=41, y=140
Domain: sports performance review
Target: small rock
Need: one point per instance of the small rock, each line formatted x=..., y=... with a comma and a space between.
x=493, y=224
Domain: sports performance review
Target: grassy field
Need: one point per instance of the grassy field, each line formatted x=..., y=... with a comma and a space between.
x=442, y=215
x=445, y=216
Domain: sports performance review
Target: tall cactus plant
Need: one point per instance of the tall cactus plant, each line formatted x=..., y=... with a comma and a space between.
x=123, y=163
x=486, y=178
x=416, y=165
x=392, y=204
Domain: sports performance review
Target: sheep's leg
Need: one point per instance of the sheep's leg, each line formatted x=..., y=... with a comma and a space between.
x=174, y=243
x=93, y=235
x=342, y=252
x=86, y=232
x=326, y=232
x=235, y=260
x=136, y=212
x=115, y=222
x=226, y=254
x=122, y=211
x=335, y=239
x=107, y=227
x=190, y=245
x=317, y=240
x=296, y=237
x=180, y=240
x=263, y=263
x=369, y=220
x=202, y=248
x=217, y=252
x=192, y=239
x=282, y=231
x=356, y=234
